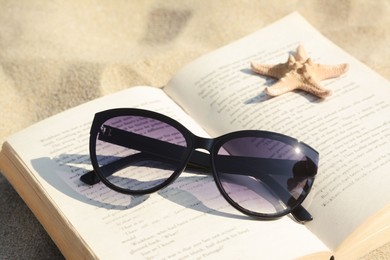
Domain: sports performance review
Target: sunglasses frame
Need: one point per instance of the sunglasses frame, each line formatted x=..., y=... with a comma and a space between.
x=195, y=142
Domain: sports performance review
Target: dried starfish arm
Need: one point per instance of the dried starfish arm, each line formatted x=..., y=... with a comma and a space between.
x=328, y=71
x=293, y=81
x=284, y=85
x=301, y=54
x=311, y=83
x=274, y=71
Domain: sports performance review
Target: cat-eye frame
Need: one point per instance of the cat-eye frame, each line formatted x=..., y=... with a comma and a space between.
x=262, y=174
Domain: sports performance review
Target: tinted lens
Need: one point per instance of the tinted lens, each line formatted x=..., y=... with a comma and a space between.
x=263, y=175
x=132, y=152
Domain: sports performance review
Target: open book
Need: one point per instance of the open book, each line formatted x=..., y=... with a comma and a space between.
x=216, y=94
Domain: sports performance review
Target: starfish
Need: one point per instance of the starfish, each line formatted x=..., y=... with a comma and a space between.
x=299, y=72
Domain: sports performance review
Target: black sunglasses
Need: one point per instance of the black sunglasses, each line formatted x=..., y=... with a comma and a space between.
x=262, y=174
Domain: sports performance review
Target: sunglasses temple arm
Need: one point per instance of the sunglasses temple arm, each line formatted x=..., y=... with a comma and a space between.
x=299, y=213
x=173, y=152
x=229, y=164
x=198, y=159
x=154, y=149
x=91, y=178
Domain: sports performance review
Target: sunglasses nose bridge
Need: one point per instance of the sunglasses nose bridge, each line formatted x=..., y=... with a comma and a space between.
x=203, y=143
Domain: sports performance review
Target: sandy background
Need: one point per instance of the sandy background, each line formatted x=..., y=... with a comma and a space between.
x=56, y=54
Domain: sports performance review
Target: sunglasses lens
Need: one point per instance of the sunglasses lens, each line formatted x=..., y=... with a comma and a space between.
x=263, y=175
x=130, y=153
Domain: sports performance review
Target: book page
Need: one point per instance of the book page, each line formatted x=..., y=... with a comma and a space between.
x=350, y=129
x=187, y=220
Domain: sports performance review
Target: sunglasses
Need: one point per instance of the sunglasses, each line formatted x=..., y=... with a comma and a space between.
x=262, y=174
